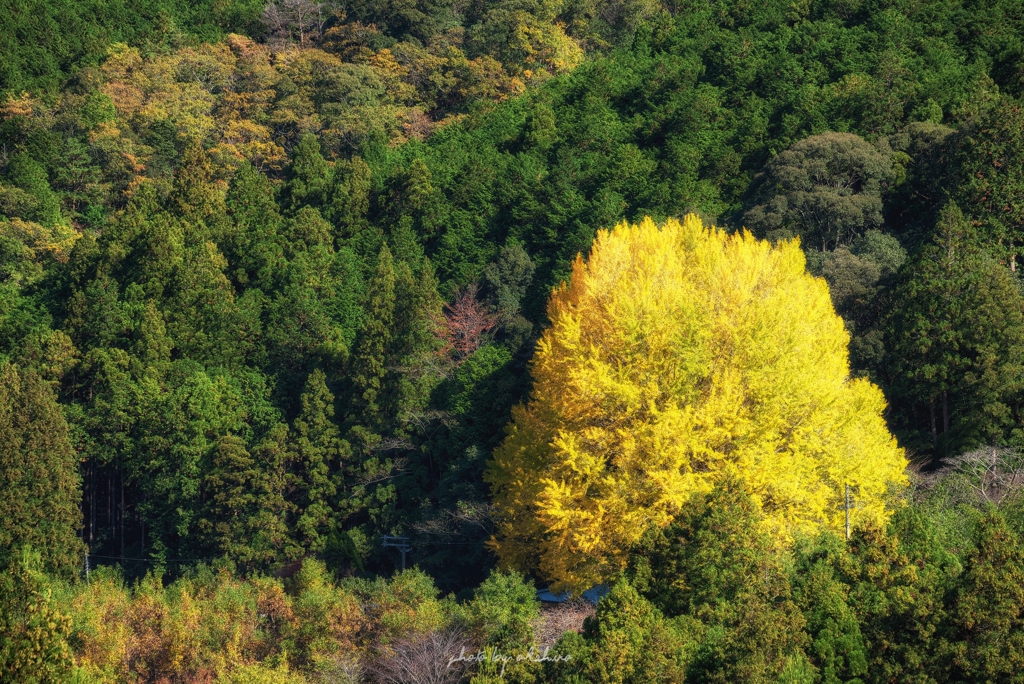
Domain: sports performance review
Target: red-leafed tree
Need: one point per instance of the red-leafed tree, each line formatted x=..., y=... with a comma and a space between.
x=466, y=322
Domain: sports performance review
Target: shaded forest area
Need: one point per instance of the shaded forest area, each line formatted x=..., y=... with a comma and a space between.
x=271, y=277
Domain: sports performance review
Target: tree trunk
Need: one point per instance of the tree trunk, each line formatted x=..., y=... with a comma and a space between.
x=92, y=500
x=945, y=412
x=122, y=513
x=935, y=435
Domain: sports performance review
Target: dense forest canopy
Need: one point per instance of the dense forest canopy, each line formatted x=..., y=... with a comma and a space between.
x=272, y=275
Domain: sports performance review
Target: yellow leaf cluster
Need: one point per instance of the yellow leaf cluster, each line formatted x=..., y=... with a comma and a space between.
x=56, y=240
x=677, y=356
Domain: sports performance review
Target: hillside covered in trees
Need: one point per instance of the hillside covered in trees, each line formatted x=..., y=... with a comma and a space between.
x=309, y=369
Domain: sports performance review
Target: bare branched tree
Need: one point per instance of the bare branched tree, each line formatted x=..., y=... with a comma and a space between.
x=559, y=618
x=304, y=19
x=343, y=669
x=431, y=658
x=466, y=325
x=467, y=514
x=986, y=475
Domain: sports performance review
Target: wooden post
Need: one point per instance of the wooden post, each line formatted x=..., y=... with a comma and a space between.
x=847, y=512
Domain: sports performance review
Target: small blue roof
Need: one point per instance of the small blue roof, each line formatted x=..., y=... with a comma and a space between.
x=592, y=595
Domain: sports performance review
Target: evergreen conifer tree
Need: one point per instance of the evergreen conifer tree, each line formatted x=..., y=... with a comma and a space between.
x=898, y=579
x=246, y=507
x=957, y=339
x=38, y=471
x=34, y=631
x=716, y=564
x=370, y=357
x=196, y=196
x=253, y=247
x=836, y=644
x=628, y=641
x=319, y=450
x=309, y=175
x=987, y=613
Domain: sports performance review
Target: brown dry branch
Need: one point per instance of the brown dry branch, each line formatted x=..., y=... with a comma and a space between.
x=466, y=324
x=453, y=522
x=558, y=618
x=424, y=659
x=986, y=475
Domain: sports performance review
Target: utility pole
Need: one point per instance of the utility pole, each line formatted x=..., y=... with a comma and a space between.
x=400, y=543
x=849, y=506
x=847, y=512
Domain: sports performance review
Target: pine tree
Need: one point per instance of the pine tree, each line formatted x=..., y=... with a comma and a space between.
x=987, y=614
x=309, y=175
x=717, y=564
x=34, y=631
x=375, y=339
x=319, y=450
x=39, y=472
x=957, y=339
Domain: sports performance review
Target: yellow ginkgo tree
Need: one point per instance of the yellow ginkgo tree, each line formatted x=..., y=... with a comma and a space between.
x=679, y=355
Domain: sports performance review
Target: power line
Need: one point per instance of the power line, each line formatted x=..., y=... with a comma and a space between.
x=150, y=560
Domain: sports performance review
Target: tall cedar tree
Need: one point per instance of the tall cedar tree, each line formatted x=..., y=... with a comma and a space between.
x=309, y=176
x=716, y=563
x=836, y=645
x=987, y=614
x=898, y=579
x=39, y=472
x=987, y=178
x=254, y=248
x=319, y=451
x=246, y=510
x=370, y=357
x=957, y=339
x=34, y=630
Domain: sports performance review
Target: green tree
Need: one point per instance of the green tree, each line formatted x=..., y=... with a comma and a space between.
x=246, y=509
x=827, y=189
x=349, y=199
x=986, y=176
x=628, y=641
x=987, y=612
x=898, y=579
x=196, y=196
x=508, y=279
x=956, y=339
x=716, y=564
x=370, y=356
x=505, y=609
x=309, y=176
x=42, y=203
x=254, y=248
x=34, y=631
x=319, y=453
x=860, y=279
x=836, y=645
x=39, y=471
